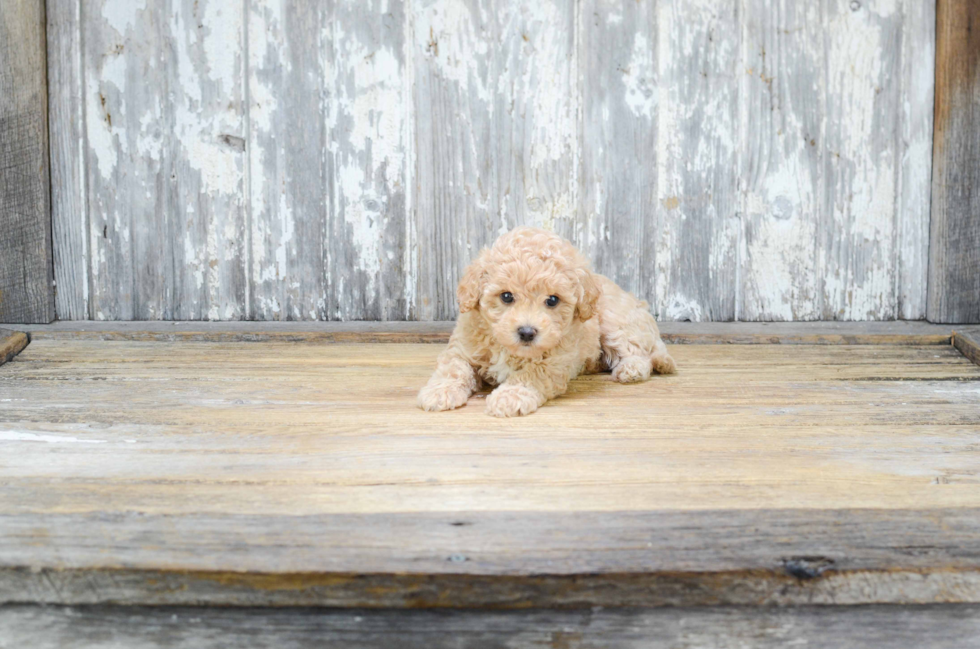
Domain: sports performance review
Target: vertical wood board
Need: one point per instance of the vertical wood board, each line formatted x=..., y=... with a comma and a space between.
x=954, y=253
x=26, y=282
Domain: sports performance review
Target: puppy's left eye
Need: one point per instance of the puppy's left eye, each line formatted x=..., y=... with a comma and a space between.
x=552, y=301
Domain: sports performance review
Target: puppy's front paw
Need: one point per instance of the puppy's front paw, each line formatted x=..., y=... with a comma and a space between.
x=632, y=369
x=512, y=401
x=442, y=396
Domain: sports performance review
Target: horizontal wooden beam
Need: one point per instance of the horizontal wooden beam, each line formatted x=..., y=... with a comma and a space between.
x=815, y=627
x=495, y=559
x=830, y=333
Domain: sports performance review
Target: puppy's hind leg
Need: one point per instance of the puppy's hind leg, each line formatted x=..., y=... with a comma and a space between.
x=634, y=350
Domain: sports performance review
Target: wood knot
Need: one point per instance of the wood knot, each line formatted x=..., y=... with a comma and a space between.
x=807, y=567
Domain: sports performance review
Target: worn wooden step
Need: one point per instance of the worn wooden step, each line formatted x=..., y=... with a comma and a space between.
x=170, y=471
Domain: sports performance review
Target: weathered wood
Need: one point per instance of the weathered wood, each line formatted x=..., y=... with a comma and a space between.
x=918, y=51
x=496, y=125
x=954, y=250
x=821, y=239
x=26, y=282
x=509, y=560
x=968, y=342
x=11, y=344
x=776, y=333
x=330, y=161
x=835, y=627
x=348, y=159
x=295, y=474
x=66, y=119
x=164, y=133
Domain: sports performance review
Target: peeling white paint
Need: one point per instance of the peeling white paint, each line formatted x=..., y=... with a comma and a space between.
x=121, y=14
x=640, y=78
x=813, y=235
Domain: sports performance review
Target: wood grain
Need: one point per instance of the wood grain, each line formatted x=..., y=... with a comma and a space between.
x=66, y=119
x=758, y=474
x=968, y=342
x=11, y=344
x=954, y=251
x=164, y=160
x=817, y=627
x=762, y=160
x=26, y=282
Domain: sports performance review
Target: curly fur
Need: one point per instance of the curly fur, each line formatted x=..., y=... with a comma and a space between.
x=595, y=326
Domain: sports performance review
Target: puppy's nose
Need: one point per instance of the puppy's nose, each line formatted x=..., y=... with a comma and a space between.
x=527, y=334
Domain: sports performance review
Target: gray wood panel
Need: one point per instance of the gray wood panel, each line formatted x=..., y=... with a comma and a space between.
x=26, y=282
x=164, y=133
x=827, y=627
x=954, y=254
x=66, y=119
x=750, y=159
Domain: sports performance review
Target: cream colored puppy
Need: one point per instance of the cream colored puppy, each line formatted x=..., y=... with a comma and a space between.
x=533, y=316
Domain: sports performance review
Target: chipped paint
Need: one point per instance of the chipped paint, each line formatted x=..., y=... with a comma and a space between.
x=765, y=161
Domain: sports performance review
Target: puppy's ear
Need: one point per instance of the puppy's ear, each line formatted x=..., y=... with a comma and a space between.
x=471, y=286
x=588, y=298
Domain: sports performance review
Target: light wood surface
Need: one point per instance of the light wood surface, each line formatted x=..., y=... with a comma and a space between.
x=825, y=627
x=154, y=472
x=26, y=287
x=954, y=246
x=280, y=160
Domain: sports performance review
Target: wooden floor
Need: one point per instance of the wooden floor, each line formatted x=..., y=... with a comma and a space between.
x=302, y=473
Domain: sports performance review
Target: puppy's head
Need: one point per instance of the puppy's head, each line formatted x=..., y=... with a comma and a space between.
x=530, y=287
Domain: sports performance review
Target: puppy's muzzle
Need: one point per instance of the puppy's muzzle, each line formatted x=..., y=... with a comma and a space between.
x=526, y=334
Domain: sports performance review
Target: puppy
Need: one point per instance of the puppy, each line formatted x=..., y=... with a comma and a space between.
x=533, y=316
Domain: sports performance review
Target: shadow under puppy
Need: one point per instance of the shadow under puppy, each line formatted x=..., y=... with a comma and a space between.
x=533, y=316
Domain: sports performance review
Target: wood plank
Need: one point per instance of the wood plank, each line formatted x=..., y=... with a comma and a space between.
x=818, y=627
x=918, y=52
x=757, y=474
x=809, y=333
x=66, y=119
x=11, y=344
x=507, y=560
x=495, y=118
x=954, y=251
x=697, y=139
x=290, y=166
x=26, y=281
x=820, y=240
x=165, y=139
x=370, y=139
x=968, y=342
x=330, y=162
x=620, y=77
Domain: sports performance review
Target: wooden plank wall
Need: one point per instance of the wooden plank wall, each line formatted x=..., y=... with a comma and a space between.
x=271, y=160
x=954, y=267
x=26, y=283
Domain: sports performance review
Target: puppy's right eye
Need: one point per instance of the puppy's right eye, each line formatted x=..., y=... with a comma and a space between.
x=506, y=297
